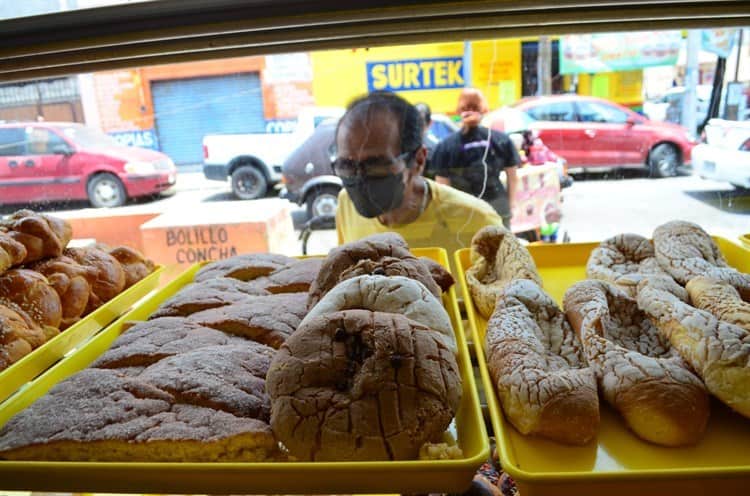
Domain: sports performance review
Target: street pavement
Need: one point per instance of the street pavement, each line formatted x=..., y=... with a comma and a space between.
x=594, y=208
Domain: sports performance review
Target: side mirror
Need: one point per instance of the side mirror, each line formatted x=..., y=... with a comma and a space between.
x=62, y=149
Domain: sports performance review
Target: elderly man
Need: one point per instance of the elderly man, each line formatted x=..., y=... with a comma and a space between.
x=380, y=159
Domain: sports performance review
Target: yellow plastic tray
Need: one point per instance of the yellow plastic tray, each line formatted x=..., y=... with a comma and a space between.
x=745, y=239
x=249, y=478
x=39, y=360
x=618, y=462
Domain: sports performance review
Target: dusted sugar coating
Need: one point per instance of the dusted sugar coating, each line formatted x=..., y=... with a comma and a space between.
x=686, y=251
x=362, y=385
x=106, y=276
x=148, y=342
x=43, y=236
x=412, y=268
x=12, y=252
x=19, y=334
x=623, y=260
x=269, y=319
x=388, y=294
x=639, y=373
x=440, y=274
x=373, y=248
x=718, y=351
x=102, y=415
x=497, y=258
x=536, y=363
x=71, y=282
x=721, y=300
x=32, y=292
x=134, y=264
x=244, y=267
x=212, y=293
x=294, y=278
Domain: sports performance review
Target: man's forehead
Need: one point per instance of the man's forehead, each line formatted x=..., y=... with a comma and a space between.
x=370, y=130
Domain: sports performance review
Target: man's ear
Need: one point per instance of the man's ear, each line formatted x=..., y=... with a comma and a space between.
x=420, y=159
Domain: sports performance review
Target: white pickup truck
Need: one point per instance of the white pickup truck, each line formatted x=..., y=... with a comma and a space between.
x=253, y=161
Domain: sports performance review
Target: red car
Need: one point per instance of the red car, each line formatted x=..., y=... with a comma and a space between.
x=595, y=133
x=45, y=161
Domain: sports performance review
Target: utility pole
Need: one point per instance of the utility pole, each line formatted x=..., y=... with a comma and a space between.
x=544, y=67
x=467, y=64
x=690, y=102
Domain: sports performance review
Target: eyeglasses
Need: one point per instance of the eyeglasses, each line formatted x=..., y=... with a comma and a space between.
x=369, y=167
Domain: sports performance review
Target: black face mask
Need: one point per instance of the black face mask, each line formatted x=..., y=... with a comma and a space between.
x=375, y=196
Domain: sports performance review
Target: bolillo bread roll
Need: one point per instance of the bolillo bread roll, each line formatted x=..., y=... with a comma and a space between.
x=638, y=372
x=537, y=366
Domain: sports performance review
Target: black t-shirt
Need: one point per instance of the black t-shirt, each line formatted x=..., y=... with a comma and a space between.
x=459, y=158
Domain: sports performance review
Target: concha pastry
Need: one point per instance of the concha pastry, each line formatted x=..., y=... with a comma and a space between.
x=638, y=372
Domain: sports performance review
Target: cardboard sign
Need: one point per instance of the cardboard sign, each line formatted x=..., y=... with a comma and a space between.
x=537, y=191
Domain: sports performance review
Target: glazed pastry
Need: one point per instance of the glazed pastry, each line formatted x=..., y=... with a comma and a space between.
x=380, y=254
x=638, y=372
x=42, y=235
x=719, y=352
x=538, y=369
x=623, y=260
x=134, y=264
x=31, y=292
x=19, y=335
x=394, y=294
x=686, y=251
x=70, y=280
x=721, y=300
x=105, y=275
x=12, y=252
x=497, y=258
x=244, y=267
x=362, y=385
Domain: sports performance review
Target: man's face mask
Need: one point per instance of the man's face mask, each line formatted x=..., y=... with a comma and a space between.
x=371, y=184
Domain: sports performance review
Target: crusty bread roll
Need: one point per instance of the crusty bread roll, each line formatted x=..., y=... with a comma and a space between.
x=42, y=235
x=497, y=258
x=440, y=274
x=32, y=293
x=638, y=372
x=536, y=364
x=623, y=260
x=244, y=267
x=362, y=385
x=212, y=293
x=12, y=252
x=134, y=264
x=296, y=277
x=686, y=251
x=718, y=351
x=388, y=294
x=720, y=299
x=379, y=254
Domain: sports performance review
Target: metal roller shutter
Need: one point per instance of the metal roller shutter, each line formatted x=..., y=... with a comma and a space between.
x=188, y=109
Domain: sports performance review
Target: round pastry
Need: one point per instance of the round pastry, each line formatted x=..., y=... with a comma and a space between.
x=639, y=373
x=11, y=252
x=623, y=260
x=32, y=292
x=536, y=364
x=105, y=275
x=388, y=294
x=685, y=251
x=497, y=258
x=381, y=250
x=362, y=385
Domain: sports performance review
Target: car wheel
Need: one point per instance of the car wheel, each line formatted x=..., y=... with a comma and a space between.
x=663, y=160
x=322, y=201
x=248, y=183
x=106, y=190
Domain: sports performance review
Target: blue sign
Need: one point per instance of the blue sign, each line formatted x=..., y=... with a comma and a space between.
x=416, y=74
x=143, y=138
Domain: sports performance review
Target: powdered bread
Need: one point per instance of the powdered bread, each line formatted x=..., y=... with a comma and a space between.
x=212, y=293
x=294, y=278
x=638, y=372
x=721, y=300
x=537, y=367
x=244, y=267
x=497, y=258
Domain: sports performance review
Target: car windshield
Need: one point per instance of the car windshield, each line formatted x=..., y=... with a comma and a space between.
x=88, y=137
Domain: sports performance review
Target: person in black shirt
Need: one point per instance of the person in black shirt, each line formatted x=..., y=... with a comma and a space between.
x=429, y=140
x=472, y=158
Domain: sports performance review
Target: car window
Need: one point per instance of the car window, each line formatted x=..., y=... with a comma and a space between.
x=555, y=111
x=599, y=112
x=42, y=141
x=440, y=129
x=12, y=142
